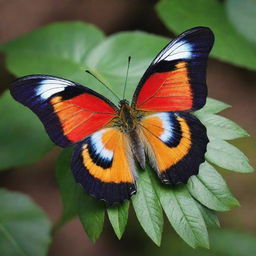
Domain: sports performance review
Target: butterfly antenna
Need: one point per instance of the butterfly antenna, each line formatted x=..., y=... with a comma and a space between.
x=125, y=83
x=89, y=72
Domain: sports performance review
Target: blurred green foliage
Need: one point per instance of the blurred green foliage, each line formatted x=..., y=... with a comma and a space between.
x=242, y=16
x=223, y=243
x=230, y=45
x=24, y=228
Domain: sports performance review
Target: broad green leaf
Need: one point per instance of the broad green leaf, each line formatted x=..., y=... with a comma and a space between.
x=24, y=228
x=76, y=201
x=227, y=156
x=70, y=191
x=118, y=217
x=221, y=128
x=212, y=106
x=209, y=188
x=210, y=217
x=109, y=59
x=184, y=215
x=23, y=139
x=50, y=50
x=147, y=207
x=242, y=15
x=230, y=46
x=91, y=213
x=66, y=43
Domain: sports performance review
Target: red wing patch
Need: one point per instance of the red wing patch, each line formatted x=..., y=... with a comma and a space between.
x=176, y=78
x=82, y=115
x=167, y=91
x=69, y=111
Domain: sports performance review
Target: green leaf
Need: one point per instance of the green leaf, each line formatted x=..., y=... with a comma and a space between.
x=118, y=217
x=91, y=214
x=108, y=60
x=221, y=128
x=210, y=218
x=183, y=213
x=47, y=50
x=210, y=13
x=24, y=228
x=70, y=191
x=50, y=51
x=242, y=15
x=52, y=45
x=227, y=156
x=209, y=188
x=76, y=202
x=212, y=106
x=147, y=207
x=23, y=138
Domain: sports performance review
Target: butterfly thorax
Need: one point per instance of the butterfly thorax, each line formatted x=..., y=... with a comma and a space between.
x=127, y=116
x=128, y=120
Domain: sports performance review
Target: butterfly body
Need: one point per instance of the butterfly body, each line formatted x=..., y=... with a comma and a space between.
x=128, y=122
x=128, y=116
x=110, y=140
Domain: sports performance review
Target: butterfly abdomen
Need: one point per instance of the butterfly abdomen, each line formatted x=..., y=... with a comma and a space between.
x=128, y=124
x=137, y=147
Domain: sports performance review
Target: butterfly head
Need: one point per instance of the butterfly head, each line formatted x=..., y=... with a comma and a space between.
x=123, y=102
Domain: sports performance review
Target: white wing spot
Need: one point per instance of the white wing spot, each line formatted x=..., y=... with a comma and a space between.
x=180, y=50
x=49, y=87
x=167, y=133
x=99, y=147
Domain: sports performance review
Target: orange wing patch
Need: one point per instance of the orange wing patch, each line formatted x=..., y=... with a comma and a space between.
x=104, y=165
x=175, y=144
x=77, y=120
x=167, y=91
x=121, y=169
x=165, y=155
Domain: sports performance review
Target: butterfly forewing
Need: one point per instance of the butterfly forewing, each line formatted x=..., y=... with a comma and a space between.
x=176, y=79
x=69, y=111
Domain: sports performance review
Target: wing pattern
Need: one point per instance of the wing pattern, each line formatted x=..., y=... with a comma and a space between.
x=103, y=164
x=69, y=111
x=175, y=143
x=176, y=79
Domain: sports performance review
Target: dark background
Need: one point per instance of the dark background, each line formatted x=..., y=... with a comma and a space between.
x=233, y=85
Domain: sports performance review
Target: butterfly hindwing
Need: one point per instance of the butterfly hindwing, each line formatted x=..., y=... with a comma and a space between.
x=103, y=164
x=175, y=144
x=69, y=111
x=176, y=79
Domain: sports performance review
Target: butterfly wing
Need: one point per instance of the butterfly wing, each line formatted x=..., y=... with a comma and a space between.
x=175, y=143
x=103, y=164
x=69, y=111
x=176, y=79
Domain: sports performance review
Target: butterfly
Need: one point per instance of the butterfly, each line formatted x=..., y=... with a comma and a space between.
x=110, y=140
